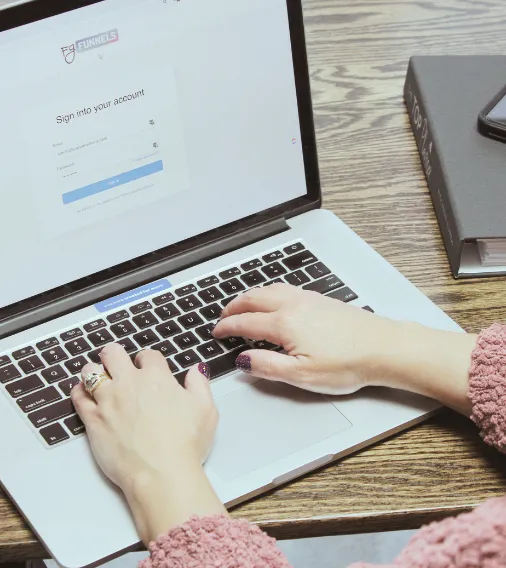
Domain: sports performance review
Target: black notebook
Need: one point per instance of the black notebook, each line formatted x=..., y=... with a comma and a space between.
x=466, y=172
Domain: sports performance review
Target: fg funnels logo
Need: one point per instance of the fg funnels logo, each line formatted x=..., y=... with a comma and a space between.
x=99, y=40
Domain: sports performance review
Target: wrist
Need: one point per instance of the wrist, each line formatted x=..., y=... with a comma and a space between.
x=160, y=501
x=429, y=362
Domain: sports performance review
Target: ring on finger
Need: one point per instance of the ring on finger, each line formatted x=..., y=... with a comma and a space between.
x=93, y=380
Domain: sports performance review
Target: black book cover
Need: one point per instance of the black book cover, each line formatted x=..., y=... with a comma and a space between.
x=465, y=171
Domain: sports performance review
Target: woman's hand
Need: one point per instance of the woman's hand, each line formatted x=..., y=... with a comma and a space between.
x=335, y=348
x=150, y=436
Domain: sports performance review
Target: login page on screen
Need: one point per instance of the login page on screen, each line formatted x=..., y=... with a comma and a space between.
x=130, y=125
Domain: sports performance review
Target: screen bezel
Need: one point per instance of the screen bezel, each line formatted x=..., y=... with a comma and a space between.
x=34, y=10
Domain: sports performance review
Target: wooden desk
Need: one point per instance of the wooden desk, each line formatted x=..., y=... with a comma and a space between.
x=373, y=180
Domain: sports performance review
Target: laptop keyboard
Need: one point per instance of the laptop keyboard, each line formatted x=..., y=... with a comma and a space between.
x=178, y=323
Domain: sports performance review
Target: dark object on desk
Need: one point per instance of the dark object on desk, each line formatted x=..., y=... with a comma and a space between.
x=466, y=172
x=492, y=119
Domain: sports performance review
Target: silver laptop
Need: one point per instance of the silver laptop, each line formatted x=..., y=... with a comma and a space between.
x=157, y=159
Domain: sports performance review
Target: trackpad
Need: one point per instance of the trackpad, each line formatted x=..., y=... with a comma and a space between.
x=266, y=422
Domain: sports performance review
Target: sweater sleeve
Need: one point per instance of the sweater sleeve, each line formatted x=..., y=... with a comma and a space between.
x=472, y=540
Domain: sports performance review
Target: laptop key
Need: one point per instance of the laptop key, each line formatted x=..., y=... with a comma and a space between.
x=212, y=312
x=186, y=290
x=232, y=343
x=368, y=309
x=68, y=384
x=210, y=295
x=343, y=294
x=146, y=338
x=189, y=321
x=24, y=386
x=325, y=285
x=232, y=287
x=253, y=278
x=275, y=281
x=230, y=273
x=276, y=255
x=118, y=316
x=168, y=329
x=4, y=360
x=167, y=312
x=145, y=320
x=274, y=270
x=186, y=340
x=52, y=413
x=127, y=344
x=37, y=399
x=180, y=377
x=210, y=350
x=251, y=265
x=227, y=301
x=76, y=365
x=189, y=303
x=54, y=374
x=187, y=359
x=72, y=334
x=206, y=282
x=9, y=373
x=123, y=328
x=22, y=353
x=47, y=343
x=56, y=355
x=101, y=337
x=224, y=364
x=317, y=270
x=31, y=365
x=172, y=366
x=292, y=249
x=298, y=278
x=75, y=425
x=54, y=434
x=165, y=347
x=78, y=346
x=94, y=325
x=139, y=308
x=299, y=260
x=267, y=345
x=205, y=332
x=163, y=299
x=94, y=356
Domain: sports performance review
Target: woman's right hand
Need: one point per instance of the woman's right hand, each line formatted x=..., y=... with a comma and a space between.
x=336, y=348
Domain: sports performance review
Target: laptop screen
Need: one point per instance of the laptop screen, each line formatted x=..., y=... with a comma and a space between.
x=130, y=125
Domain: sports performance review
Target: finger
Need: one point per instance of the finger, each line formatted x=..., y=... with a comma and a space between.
x=85, y=406
x=116, y=360
x=103, y=388
x=268, y=299
x=270, y=365
x=151, y=359
x=197, y=382
x=253, y=326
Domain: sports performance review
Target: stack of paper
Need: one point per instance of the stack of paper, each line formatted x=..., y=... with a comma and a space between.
x=492, y=252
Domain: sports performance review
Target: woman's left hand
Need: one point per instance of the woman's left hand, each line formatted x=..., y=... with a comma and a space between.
x=150, y=436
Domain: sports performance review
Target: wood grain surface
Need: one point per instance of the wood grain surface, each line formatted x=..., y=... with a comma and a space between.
x=372, y=179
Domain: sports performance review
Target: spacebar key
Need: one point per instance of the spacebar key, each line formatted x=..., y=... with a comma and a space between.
x=225, y=364
x=325, y=285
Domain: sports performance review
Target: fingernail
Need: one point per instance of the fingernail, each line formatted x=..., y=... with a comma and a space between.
x=204, y=370
x=243, y=363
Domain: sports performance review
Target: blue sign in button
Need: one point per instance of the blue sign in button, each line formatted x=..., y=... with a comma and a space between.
x=112, y=182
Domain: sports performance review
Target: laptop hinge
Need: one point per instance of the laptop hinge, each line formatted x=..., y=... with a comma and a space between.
x=176, y=263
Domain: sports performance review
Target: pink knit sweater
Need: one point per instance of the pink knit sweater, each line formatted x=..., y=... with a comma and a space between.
x=473, y=540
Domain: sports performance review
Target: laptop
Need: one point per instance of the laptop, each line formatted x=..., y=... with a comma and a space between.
x=157, y=159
